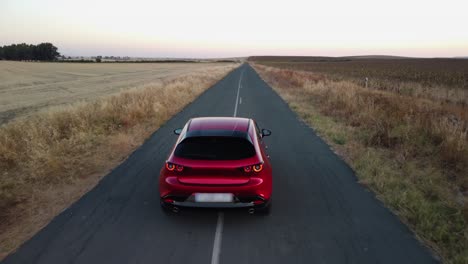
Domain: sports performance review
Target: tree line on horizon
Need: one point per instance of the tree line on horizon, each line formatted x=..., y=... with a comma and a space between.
x=29, y=52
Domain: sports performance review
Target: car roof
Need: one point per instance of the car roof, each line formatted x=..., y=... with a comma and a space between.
x=219, y=123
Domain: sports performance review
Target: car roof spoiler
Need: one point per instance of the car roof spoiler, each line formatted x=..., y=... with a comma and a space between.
x=217, y=133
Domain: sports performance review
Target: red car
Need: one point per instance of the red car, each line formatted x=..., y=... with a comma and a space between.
x=218, y=162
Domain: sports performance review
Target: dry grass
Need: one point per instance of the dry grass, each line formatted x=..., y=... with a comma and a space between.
x=50, y=159
x=435, y=79
x=26, y=87
x=412, y=152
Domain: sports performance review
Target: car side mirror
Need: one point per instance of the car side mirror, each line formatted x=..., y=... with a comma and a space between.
x=178, y=131
x=266, y=132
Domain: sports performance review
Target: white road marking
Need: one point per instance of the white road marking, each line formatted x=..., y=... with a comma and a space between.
x=217, y=240
x=237, y=97
x=219, y=225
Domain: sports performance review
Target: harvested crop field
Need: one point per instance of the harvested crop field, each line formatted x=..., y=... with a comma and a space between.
x=435, y=79
x=26, y=87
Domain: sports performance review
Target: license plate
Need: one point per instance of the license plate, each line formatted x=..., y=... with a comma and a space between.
x=213, y=197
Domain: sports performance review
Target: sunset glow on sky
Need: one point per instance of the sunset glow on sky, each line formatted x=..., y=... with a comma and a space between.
x=206, y=28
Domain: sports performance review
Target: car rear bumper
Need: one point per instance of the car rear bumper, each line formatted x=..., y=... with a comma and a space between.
x=256, y=187
x=238, y=202
x=213, y=205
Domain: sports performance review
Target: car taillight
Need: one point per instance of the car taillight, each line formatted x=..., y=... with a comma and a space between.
x=170, y=166
x=179, y=168
x=255, y=168
x=258, y=167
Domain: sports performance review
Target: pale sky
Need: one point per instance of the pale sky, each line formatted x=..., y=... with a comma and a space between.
x=216, y=28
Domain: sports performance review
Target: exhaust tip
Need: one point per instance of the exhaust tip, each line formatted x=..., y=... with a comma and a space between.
x=251, y=210
x=175, y=209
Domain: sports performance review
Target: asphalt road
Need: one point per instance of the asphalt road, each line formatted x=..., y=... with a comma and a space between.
x=320, y=213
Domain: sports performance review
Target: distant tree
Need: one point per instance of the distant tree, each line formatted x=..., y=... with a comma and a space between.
x=1, y=53
x=23, y=51
x=98, y=58
x=46, y=52
x=10, y=52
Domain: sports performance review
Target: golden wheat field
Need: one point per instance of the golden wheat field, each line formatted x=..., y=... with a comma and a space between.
x=26, y=87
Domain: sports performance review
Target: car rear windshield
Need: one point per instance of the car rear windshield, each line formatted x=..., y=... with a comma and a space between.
x=215, y=148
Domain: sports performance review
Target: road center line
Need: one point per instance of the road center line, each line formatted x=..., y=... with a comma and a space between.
x=217, y=240
x=237, y=97
x=219, y=225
